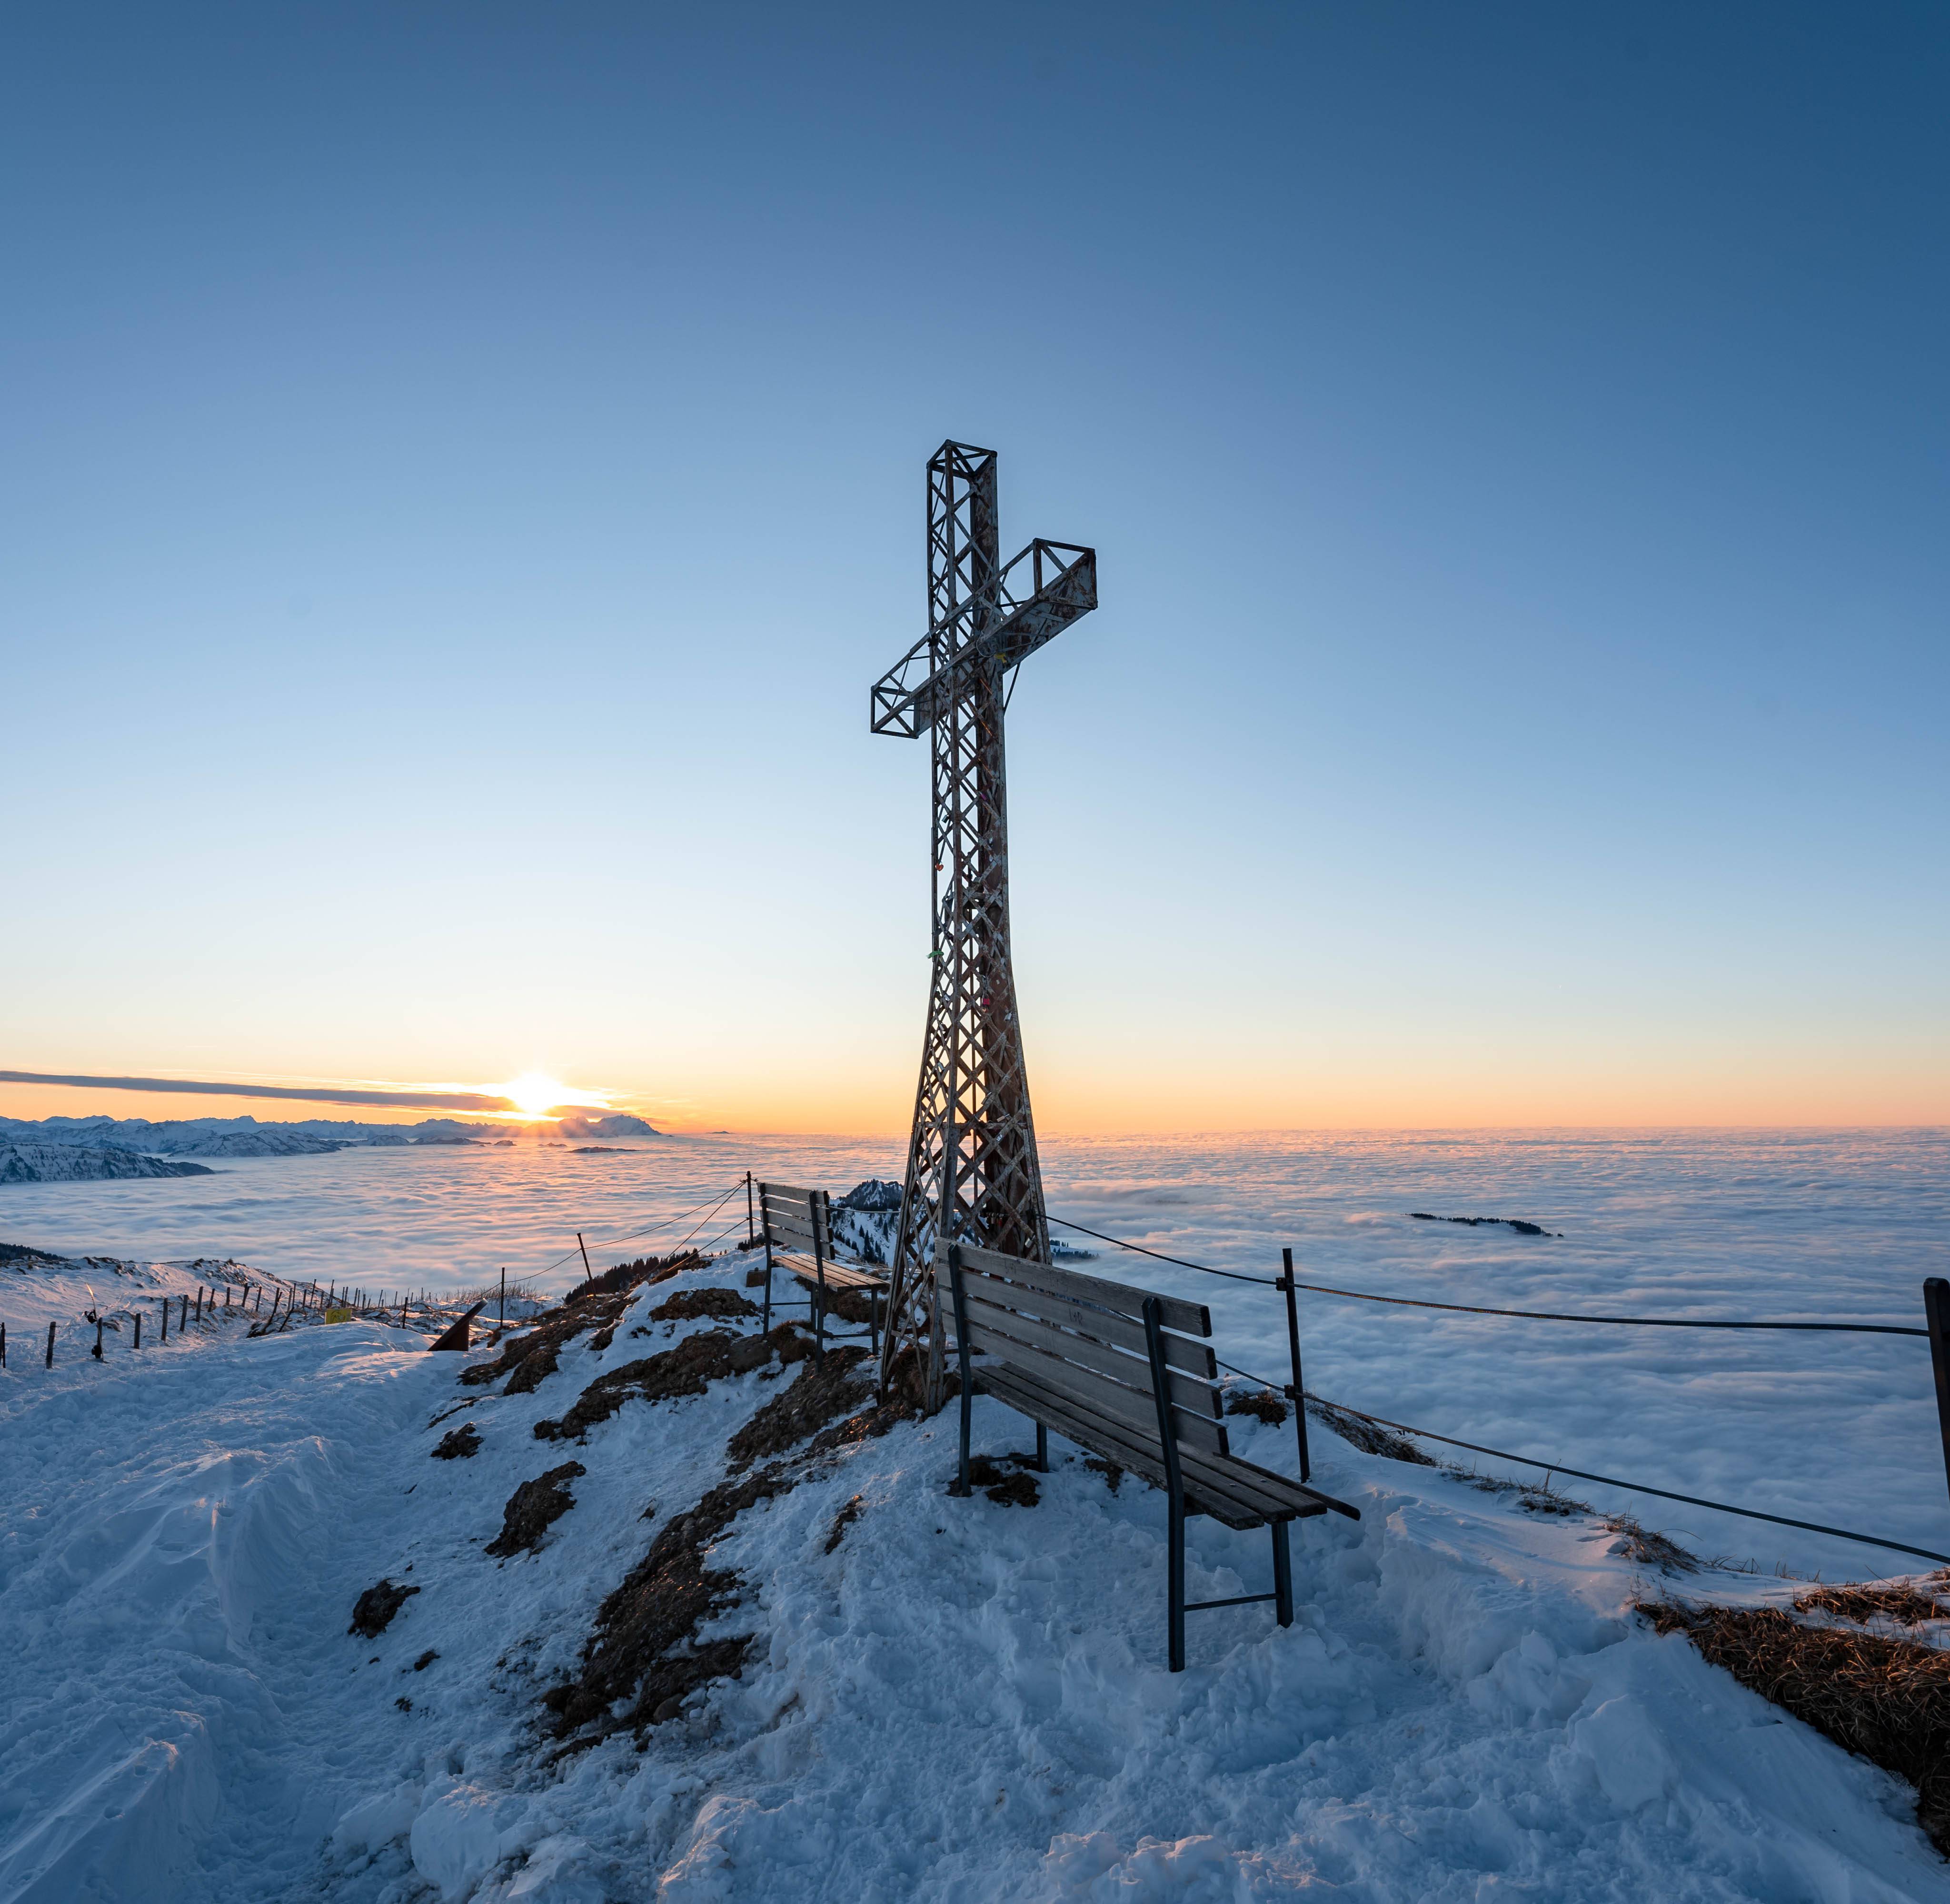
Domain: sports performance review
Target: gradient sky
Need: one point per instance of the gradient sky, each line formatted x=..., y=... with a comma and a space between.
x=464, y=468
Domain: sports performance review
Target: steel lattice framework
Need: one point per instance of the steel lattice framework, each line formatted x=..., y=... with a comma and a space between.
x=972, y=1168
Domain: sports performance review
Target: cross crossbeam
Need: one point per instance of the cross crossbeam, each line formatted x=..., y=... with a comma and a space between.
x=972, y=1173
x=913, y=693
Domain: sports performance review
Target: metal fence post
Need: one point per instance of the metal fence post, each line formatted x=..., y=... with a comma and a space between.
x=51, y=1345
x=1297, y=1394
x=1936, y=1312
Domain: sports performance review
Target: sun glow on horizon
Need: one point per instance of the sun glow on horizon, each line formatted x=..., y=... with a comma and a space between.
x=535, y=1094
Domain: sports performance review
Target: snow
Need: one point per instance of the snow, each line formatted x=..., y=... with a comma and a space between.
x=963, y=1701
x=1836, y=1428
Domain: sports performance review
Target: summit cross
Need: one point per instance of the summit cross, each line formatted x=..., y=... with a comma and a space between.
x=973, y=1173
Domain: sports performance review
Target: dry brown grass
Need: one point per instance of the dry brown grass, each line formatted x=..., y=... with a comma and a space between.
x=1901, y=1606
x=1887, y=1699
x=1369, y=1438
x=1649, y=1547
x=1261, y=1404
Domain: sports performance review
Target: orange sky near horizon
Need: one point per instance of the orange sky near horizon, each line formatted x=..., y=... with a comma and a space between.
x=1792, y=1092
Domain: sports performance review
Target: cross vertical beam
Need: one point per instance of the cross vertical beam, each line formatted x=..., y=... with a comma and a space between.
x=973, y=1172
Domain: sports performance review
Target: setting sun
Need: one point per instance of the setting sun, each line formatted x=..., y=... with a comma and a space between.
x=534, y=1094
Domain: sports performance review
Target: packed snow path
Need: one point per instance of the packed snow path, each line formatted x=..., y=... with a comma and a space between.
x=963, y=1700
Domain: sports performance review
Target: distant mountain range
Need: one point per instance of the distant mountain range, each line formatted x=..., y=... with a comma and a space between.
x=76, y=1149
x=74, y=1163
x=245, y=1137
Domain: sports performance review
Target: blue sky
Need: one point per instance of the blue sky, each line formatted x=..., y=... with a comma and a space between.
x=466, y=468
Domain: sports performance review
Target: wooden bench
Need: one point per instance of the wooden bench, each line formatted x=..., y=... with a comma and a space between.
x=1116, y=1369
x=797, y=1230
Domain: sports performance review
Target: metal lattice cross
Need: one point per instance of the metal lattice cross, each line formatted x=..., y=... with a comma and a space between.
x=972, y=1168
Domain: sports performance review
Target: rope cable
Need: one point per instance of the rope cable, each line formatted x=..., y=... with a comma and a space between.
x=1526, y=1315
x=1604, y=1480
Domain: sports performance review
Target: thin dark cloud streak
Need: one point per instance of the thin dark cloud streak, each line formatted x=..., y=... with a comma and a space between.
x=408, y=1099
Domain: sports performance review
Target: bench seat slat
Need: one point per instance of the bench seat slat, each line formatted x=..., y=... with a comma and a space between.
x=988, y=1325
x=1106, y=1397
x=1120, y=1298
x=839, y=1275
x=1208, y=1487
x=1194, y=1358
x=1239, y=1492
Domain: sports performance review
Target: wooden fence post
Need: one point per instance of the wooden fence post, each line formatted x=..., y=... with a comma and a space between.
x=1936, y=1313
x=97, y=1338
x=51, y=1345
x=1298, y=1391
x=3, y=1345
x=166, y=1319
x=138, y=1328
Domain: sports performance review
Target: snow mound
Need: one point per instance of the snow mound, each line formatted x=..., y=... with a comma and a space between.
x=939, y=1698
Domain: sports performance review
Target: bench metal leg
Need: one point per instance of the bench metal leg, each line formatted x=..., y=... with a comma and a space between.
x=1043, y=1449
x=1176, y=1563
x=962, y=1485
x=1282, y=1576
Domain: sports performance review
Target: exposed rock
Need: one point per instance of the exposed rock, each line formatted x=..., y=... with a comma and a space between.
x=458, y=1444
x=659, y=1606
x=687, y=1304
x=1006, y=1489
x=713, y=1356
x=843, y=1520
x=376, y=1606
x=533, y=1508
x=825, y=1388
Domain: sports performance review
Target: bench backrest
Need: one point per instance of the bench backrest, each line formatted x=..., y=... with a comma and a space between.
x=796, y=1219
x=1086, y=1336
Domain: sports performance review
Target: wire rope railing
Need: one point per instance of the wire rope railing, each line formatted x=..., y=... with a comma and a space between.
x=1936, y=1303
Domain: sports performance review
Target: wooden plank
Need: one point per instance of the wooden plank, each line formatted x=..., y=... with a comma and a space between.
x=839, y=1275
x=1271, y=1496
x=1111, y=1397
x=1182, y=1352
x=987, y=1324
x=1214, y=1485
x=1115, y=1442
x=1121, y=1298
x=1285, y=1483
x=852, y=1276
x=798, y=1229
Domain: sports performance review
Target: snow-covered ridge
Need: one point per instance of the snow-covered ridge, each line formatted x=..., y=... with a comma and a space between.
x=67, y=1163
x=246, y=1137
x=940, y=1699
